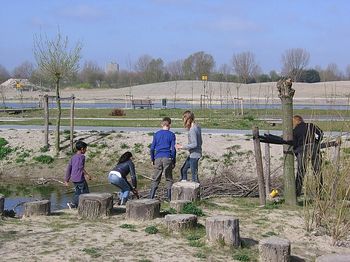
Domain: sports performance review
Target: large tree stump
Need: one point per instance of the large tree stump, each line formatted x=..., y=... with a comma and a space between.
x=334, y=258
x=37, y=208
x=95, y=205
x=178, y=205
x=142, y=209
x=179, y=222
x=2, y=204
x=185, y=191
x=223, y=228
x=274, y=249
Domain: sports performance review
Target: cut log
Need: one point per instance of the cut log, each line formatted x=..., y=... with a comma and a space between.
x=223, y=228
x=274, y=249
x=2, y=204
x=178, y=205
x=142, y=209
x=95, y=205
x=37, y=208
x=185, y=191
x=334, y=258
x=179, y=222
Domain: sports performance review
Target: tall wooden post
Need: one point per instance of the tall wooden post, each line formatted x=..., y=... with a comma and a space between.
x=46, y=120
x=72, y=123
x=336, y=160
x=59, y=112
x=267, y=168
x=259, y=166
x=286, y=93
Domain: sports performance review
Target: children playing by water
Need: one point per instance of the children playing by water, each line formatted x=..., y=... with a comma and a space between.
x=118, y=176
x=163, y=157
x=77, y=174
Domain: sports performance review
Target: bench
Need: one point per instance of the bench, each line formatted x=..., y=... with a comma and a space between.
x=141, y=103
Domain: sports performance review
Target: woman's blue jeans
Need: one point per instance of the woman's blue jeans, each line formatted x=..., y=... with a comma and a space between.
x=79, y=188
x=120, y=182
x=190, y=163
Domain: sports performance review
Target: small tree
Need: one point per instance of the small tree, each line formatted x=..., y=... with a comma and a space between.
x=294, y=61
x=57, y=61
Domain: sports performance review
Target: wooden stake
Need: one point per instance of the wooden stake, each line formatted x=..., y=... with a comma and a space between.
x=267, y=168
x=46, y=121
x=259, y=166
x=72, y=123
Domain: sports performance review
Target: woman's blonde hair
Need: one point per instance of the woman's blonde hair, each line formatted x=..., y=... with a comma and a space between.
x=188, y=118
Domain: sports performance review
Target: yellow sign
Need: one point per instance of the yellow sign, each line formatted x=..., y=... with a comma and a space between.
x=204, y=78
x=18, y=85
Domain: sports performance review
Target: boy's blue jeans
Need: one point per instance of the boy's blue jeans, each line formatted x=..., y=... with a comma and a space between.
x=122, y=184
x=190, y=163
x=79, y=188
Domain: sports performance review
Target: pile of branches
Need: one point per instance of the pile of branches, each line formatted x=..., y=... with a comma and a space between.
x=229, y=183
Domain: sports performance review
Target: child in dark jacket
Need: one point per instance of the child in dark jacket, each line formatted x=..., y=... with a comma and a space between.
x=77, y=174
x=163, y=156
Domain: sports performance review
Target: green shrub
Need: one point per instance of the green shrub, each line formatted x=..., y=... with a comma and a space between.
x=44, y=149
x=4, y=151
x=44, y=159
x=124, y=146
x=190, y=208
x=3, y=142
x=151, y=230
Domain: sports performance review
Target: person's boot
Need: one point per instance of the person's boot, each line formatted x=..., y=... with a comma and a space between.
x=152, y=193
x=168, y=194
x=123, y=201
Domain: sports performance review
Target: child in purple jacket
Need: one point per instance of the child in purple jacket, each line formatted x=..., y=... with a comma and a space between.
x=77, y=174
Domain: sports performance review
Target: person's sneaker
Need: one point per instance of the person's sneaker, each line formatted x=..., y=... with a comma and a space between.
x=183, y=180
x=70, y=205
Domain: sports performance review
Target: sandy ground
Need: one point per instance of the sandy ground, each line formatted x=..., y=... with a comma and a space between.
x=316, y=93
x=62, y=237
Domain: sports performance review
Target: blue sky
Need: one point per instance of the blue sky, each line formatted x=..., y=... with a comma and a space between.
x=122, y=31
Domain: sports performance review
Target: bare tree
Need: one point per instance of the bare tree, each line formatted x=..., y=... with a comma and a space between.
x=24, y=70
x=198, y=64
x=92, y=74
x=294, y=61
x=58, y=61
x=175, y=69
x=4, y=74
x=347, y=72
x=244, y=66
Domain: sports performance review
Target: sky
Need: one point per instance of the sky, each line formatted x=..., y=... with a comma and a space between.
x=122, y=31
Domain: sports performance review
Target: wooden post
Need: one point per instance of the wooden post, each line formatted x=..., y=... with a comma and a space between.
x=46, y=120
x=274, y=249
x=336, y=160
x=2, y=204
x=223, y=228
x=180, y=222
x=37, y=208
x=286, y=93
x=267, y=169
x=259, y=166
x=72, y=123
x=95, y=205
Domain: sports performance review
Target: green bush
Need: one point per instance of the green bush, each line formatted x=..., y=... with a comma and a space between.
x=151, y=230
x=191, y=208
x=3, y=142
x=44, y=159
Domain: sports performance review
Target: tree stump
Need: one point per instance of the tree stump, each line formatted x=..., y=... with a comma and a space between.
x=95, y=205
x=2, y=204
x=142, y=209
x=274, y=249
x=179, y=222
x=334, y=258
x=37, y=208
x=178, y=205
x=185, y=191
x=223, y=228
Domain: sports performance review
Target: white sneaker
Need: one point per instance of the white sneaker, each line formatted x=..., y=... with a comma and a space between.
x=183, y=180
x=70, y=205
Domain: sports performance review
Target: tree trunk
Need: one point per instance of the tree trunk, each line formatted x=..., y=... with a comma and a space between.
x=59, y=112
x=274, y=249
x=267, y=169
x=46, y=119
x=286, y=93
x=180, y=222
x=2, y=204
x=185, y=191
x=95, y=205
x=223, y=228
x=142, y=209
x=259, y=166
x=72, y=123
x=37, y=208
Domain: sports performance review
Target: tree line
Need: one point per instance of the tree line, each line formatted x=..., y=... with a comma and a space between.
x=146, y=69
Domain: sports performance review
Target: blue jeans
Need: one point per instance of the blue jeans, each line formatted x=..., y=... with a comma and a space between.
x=193, y=164
x=120, y=182
x=79, y=188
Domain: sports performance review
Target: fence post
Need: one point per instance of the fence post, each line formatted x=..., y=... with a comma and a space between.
x=72, y=123
x=336, y=160
x=267, y=168
x=259, y=166
x=46, y=121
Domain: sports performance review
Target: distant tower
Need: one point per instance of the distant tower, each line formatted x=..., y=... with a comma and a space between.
x=112, y=67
